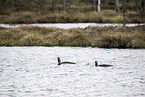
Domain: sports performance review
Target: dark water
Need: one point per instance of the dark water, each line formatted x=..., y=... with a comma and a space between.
x=33, y=72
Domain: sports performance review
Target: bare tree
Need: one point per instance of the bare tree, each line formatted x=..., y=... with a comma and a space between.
x=70, y=2
x=142, y=4
x=53, y=3
x=117, y=5
x=99, y=3
x=136, y=5
x=94, y=5
x=41, y=4
x=85, y=2
x=124, y=13
x=64, y=2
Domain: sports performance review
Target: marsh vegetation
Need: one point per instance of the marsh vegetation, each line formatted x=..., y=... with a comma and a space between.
x=104, y=37
x=71, y=11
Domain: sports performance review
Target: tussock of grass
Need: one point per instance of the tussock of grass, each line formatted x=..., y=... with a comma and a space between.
x=116, y=40
x=105, y=37
x=31, y=40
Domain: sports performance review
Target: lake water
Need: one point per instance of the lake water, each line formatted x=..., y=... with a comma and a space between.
x=33, y=72
x=68, y=25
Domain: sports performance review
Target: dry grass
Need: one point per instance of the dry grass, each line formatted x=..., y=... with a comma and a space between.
x=106, y=16
x=106, y=37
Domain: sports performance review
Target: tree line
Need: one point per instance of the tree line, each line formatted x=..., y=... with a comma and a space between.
x=47, y=5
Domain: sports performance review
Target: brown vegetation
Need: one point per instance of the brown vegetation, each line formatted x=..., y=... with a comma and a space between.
x=106, y=16
x=69, y=11
x=106, y=37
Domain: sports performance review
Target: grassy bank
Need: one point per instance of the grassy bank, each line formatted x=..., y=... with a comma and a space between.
x=106, y=16
x=106, y=37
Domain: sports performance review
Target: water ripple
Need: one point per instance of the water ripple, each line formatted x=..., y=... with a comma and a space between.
x=33, y=72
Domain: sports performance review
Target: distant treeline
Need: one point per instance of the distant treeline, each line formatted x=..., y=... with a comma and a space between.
x=54, y=5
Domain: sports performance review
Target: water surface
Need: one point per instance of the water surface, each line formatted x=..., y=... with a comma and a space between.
x=68, y=25
x=33, y=72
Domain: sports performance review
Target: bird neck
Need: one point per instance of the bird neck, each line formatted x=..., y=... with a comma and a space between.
x=59, y=62
x=96, y=63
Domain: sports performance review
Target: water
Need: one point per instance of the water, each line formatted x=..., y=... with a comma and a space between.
x=68, y=25
x=33, y=72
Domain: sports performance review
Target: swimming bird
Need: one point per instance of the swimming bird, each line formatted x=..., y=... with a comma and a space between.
x=59, y=62
x=102, y=65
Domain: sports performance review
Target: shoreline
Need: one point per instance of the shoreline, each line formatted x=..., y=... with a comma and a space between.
x=78, y=47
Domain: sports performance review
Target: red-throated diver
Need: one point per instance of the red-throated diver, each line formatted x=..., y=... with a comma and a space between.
x=59, y=62
x=102, y=65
